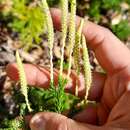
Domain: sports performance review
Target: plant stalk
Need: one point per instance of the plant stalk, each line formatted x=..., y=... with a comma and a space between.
x=76, y=52
x=87, y=67
x=72, y=31
x=23, y=82
x=64, y=8
x=50, y=35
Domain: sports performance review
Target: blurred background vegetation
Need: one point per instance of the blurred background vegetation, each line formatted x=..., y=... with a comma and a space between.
x=26, y=20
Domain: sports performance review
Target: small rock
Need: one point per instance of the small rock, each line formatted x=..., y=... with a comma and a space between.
x=116, y=19
x=57, y=52
x=27, y=57
x=6, y=58
x=124, y=6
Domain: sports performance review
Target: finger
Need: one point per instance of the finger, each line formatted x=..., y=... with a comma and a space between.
x=39, y=76
x=88, y=115
x=109, y=50
x=120, y=115
x=96, y=90
x=96, y=114
x=36, y=76
x=53, y=121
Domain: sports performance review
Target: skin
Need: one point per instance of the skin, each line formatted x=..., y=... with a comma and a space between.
x=111, y=90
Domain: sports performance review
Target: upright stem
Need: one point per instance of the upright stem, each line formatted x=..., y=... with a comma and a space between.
x=23, y=82
x=72, y=30
x=50, y=34
x=76, y=52
x=64, y=8
x=87, y=67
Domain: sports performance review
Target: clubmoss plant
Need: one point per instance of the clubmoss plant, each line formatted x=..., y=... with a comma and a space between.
x=72, y=31
x=23, y=82
x=50, y=28
x=57, y=93
x=87, y=67
x=54, y=99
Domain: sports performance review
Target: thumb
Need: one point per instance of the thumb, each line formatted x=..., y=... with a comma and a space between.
x=53, y=121
x=50, y=121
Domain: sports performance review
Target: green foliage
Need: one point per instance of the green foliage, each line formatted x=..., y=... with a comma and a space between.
x=111, y=4
x=122, y=30
x=53, y=2
x=53, y=99
x=99, y=7
x=28, y=21
x=13, y=124
x=59, y=96
x=65, y=65
x=127, y=1
x=94, y=10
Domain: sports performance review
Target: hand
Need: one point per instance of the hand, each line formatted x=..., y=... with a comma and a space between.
x=110, y=90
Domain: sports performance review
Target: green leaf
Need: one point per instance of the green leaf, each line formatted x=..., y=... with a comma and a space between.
x=122, y=30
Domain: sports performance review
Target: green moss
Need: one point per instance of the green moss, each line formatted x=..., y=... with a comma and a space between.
x=53, y=2
x=13, y=124
x=111, y=4
x=28, y=21
x=122, y=30
x=95, y=10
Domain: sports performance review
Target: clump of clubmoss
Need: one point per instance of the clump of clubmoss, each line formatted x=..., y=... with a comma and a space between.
x=54, y=98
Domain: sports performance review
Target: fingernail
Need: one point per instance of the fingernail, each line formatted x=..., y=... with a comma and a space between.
x=128, y=86
x=38, y=123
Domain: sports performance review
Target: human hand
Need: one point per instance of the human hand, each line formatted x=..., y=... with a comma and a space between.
x=110, y=90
